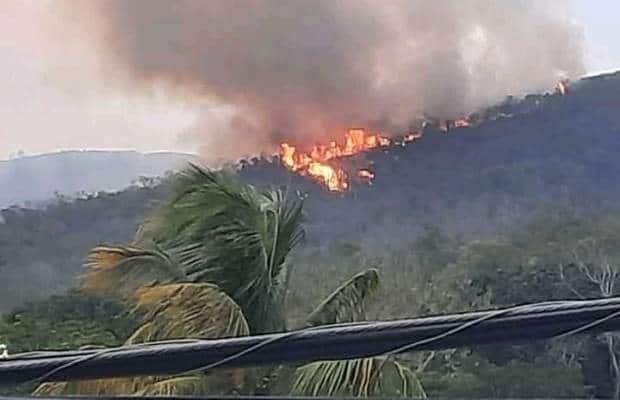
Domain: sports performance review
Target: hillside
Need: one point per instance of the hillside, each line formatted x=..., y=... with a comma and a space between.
x=36, y=179
x=554, y=152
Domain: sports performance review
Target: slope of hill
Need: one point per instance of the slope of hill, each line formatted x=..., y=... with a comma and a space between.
x=37, y=178
x=554, y=152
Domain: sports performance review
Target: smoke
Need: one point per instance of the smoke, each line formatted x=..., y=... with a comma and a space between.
x=303, y=70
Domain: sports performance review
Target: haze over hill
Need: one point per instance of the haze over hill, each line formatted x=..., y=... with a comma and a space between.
x=38, y=178
x=547, y=151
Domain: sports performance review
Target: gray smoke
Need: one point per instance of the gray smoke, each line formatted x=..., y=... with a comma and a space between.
x=308, y=69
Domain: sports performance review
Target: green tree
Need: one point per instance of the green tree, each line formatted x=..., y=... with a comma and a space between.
x=476, y=377
x=213, y=263
x=63, y=322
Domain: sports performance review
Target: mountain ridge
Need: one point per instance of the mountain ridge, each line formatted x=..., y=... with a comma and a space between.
x=39, y=178
x=555, y=153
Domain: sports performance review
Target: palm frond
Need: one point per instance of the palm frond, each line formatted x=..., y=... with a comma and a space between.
x=119, y=271
x=358, y=378
x=177, y=386
x=50, y=389
x=234, y=236
x=95, y=387
x=348, y=302
x=175, y=311
x=187, y=310
x=194, y=385
x=190, y=310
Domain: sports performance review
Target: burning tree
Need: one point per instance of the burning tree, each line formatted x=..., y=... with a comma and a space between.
x=316, y=162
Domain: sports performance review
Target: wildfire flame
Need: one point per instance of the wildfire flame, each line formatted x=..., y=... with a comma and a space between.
x=315, y=163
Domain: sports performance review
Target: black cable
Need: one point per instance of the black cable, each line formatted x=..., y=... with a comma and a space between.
x=213, y=397
x=346, y=341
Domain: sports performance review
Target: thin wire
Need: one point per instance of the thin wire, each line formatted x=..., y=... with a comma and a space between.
x=98, y=353
x=492, y=314
x=269, y=341
x=38, y=354
x=587, y=326
x=179, y=397
x=264, y=343
x=487, y=316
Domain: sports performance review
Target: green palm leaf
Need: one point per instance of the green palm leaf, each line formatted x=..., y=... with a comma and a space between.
x=175, y=311
x=190, y=310
x=358, y=378
x=212, y=263
x=187, y=310
x=119, y=271
x=348, y=302
x=177, y=386
x=50, y=389
x=144, y=386
x=95, y=387
x=234, y=236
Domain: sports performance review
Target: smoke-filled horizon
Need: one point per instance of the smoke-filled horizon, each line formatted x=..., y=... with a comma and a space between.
x=303, y=70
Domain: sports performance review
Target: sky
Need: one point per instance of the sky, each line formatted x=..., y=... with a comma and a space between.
x=55, y=95
x=600, y=21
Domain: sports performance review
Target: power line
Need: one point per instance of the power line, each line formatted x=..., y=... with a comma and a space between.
x=214, y=397
x=345, y=341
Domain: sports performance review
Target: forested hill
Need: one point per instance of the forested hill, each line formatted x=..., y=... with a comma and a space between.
x=528, y=155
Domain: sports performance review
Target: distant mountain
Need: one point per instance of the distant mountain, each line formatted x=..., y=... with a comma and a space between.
x=34, y=179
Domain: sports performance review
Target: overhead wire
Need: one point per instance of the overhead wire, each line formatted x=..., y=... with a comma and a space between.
x=464, y=325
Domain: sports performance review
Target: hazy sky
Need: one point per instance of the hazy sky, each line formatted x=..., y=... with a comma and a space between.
x=55, y=94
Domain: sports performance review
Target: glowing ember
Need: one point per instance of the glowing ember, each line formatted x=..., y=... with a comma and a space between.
x=562, y=86
x=462, y=123
x=365, y=173
x=315, y=162
x=412, y=137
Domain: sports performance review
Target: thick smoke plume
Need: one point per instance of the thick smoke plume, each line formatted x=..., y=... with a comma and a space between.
x=303, y=70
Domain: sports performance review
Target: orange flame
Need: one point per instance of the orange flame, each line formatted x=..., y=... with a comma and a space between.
x=315, y=162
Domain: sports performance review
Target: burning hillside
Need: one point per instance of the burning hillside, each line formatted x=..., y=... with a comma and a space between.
x=320, y=162
x=521, y=156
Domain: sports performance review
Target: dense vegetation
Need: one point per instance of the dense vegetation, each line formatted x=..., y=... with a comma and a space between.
x=513, y=211
x=65, y=322
x=557, y=256
x=213, y=263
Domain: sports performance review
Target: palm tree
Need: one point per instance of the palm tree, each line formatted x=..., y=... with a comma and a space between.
x=213, y=263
